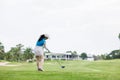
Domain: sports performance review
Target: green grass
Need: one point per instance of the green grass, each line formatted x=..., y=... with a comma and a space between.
x=74, y=70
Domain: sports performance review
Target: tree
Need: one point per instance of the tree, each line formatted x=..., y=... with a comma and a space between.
x=119, y=36
x=9, y=56
x=83, y=56
x=1, y=51
x=69, y=52
x=115, y=54
x=108, y=57
x=15, y=53
x=119, y=49
x=28, y=54
x=18, y=53
x=103, y=56
x=73, y=54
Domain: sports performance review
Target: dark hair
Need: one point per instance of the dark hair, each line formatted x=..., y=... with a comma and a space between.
x=41, y=37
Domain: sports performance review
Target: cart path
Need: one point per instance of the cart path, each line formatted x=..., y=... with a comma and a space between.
x=6, y=64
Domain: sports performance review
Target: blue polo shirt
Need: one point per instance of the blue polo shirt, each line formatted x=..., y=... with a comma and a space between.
x=41, y=42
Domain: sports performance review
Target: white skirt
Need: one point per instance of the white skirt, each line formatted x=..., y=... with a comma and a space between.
x=38, y=51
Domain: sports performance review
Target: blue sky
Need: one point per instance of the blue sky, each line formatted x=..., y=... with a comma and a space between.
x=90, y=26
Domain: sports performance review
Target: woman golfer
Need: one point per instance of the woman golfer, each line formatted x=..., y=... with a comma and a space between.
x=39, y=51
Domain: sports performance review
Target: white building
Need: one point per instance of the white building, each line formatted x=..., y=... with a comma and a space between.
x=66, y=56
x=61, y=56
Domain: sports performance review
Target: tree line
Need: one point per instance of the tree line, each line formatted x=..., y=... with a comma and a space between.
x=114, y=54
x=17, y=53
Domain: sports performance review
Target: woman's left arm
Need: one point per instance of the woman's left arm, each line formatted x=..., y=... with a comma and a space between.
x=46, y=47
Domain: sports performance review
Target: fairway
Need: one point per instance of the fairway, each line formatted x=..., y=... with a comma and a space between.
x=74, y=70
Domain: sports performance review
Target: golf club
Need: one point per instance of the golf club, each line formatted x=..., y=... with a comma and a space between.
x=60, y=64
x=57, y=61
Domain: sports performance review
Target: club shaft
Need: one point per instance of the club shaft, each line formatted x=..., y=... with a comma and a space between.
x=56, y=59
x=58, y=62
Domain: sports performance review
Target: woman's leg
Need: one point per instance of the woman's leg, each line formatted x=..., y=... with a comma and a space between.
x=40, y=62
